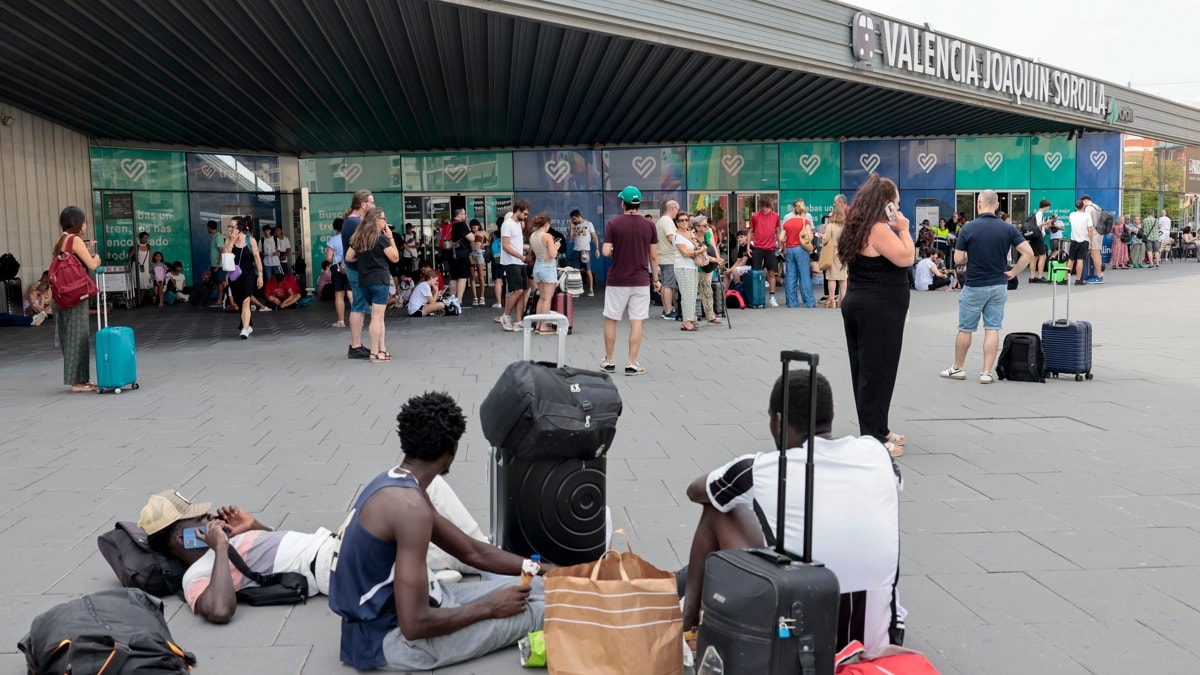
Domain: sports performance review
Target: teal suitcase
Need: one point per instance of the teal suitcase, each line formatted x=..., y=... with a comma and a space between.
x=116, y=354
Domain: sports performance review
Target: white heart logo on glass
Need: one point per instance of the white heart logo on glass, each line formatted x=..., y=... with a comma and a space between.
x=644, y=166
x=1053, y=159
x=810, y=163
x=455, y=172
x=1098, y=157
x=927, y=160
x=350, y=172
x=557, y=169
x=134, y=168
x=733, y=164
x=869, y=162
x=993, y=160
x=208, y=170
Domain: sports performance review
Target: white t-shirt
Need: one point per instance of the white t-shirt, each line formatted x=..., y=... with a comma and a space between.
x=265, y=552
x=582, y=235
x=680, y=259
x=923, y=275
x=856, y=532
x=284, y=245
x=512, y=230
x=1080, y=222
x=1164, y=228
x=420, y=297
x=270, y=254
x=177, y=279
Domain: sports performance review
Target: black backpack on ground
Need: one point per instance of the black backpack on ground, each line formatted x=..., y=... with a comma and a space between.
x=1022, y=358
x=110, y=632
x=127, y=549
x=9, y=267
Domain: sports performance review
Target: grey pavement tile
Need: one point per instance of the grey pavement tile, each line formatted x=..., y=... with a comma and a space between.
x=644, y=493
x=939, y=465
x=292, y=497
x=931, y=553
x=662, y=522
x=1112, y=594
x=1149, y=482
x=17, y=613
x=1088, y=513
x=1073, y=484
x=1008, y=598
x=997, y=650
x=1029, y=462
x=1005, y=486
x=93, y=574
x=250, y=627
x=929, y=605
x=214, y=657
x=1117, y=647
x=1097, y=549
x=1006, y=515
x=927, y=517
x=918, y=487
x=1006, y=551
x=1158, y=511
x=1177, y=582
x=80, y=477
x=1176, y=545
x=226, y=474
x=1179, y=630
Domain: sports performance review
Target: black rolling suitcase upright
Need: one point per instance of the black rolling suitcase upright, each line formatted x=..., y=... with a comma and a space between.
x=550, y=429
x=767, y=611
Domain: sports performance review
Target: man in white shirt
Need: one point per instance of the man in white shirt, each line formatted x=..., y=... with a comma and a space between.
x=665, y=229
x=270, y=253
x=1164, y=236
x=856, y=529
x=584, y=240
x=284, y=246
x=1097, y=241
x=1081, y=237
x=512, y=256
x=928, y=276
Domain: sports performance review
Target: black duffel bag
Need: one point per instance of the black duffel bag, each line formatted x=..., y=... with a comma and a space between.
x=539, y=411
x=109, y=632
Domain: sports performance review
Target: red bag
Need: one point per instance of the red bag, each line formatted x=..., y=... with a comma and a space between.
x=69, y=281
x=891, y=660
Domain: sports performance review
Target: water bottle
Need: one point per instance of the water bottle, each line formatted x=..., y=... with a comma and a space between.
x=712, y=663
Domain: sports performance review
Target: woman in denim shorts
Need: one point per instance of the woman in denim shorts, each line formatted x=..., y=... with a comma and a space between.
x=545, y=267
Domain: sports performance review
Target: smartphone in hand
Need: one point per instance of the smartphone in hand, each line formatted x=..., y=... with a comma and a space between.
x=193, y=538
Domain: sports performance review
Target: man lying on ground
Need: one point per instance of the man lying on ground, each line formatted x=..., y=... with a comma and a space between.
x=395, y=613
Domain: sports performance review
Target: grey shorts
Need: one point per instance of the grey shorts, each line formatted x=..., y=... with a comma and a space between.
x=1153, y=245
x=666, y=274
x=471, y=641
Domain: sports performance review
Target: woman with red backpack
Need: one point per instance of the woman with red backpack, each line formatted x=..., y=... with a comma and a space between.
x=74, y=334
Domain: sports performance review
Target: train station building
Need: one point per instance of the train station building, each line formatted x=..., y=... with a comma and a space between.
x=158, y=117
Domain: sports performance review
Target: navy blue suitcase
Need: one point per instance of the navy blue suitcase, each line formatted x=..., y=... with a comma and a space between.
x=1067, y=344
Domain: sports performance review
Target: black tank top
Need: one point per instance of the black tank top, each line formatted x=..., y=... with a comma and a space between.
x=878, y=270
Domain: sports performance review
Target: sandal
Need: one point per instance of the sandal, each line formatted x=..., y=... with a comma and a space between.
x=895, y=438
x=893, y=449
x=716, y=322
x=380, y=357
x=693, y=328
x=83, y=388
x=338, y=324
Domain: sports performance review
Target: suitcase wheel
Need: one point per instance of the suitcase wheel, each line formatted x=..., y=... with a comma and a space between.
x=1088, y=376
x=1078, y=378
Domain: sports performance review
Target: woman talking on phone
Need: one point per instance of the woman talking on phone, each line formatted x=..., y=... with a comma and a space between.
x=248, y=271
x=877, y=249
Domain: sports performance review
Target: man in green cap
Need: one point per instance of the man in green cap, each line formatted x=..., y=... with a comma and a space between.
x=632, y=243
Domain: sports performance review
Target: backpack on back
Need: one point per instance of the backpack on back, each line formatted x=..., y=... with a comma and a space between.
x=110, y=632
x=69, y=282
x=1029, y=228
x=1106, y=223
x=127, y=549
x=1022, y=358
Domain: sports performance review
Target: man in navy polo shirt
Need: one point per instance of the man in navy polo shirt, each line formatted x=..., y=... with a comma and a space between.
x=983, y=246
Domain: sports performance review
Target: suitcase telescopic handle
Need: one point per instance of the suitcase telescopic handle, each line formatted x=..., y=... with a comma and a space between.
x=561, y=326
x=787, y=356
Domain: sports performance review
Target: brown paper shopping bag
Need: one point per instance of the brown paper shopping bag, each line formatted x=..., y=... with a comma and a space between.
x=617, y=616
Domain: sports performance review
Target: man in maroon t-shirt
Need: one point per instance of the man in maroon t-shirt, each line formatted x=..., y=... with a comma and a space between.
x=632, y=243
x=764, y=231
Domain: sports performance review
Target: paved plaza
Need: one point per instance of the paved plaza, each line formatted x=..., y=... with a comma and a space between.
x=1047, y=528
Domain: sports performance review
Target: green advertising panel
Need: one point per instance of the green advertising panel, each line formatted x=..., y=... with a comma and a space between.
x=458, y=172
x=818, y=202
x=162, y=215
x=1051, y=162
x=810, y=166
x=348, y=173
x=1062, y=202
x=323, y=208
x=130, y=169
x=733, y=167
x=1000, y=163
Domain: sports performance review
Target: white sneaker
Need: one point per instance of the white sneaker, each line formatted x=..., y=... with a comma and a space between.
x=245, y=333
x=265, y=309
x=953, y=373
x=986, y=378
x=506, y=323
x=772, y=302
x=497, y=306
x=38, y=318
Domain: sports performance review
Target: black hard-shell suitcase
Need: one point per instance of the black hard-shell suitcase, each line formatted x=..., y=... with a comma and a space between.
x=769, y=611
x=554, y=506
x=1067, y=344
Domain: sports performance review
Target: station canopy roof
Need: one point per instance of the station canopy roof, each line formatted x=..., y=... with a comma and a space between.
x=318, y=76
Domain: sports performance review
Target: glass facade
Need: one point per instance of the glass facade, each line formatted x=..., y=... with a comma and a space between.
x=176, y=193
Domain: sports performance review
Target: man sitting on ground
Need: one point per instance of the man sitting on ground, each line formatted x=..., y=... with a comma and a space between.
x=856, y=532
x=395, y=614
x=282, y=291
x=741, y=264
x=929, y=275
